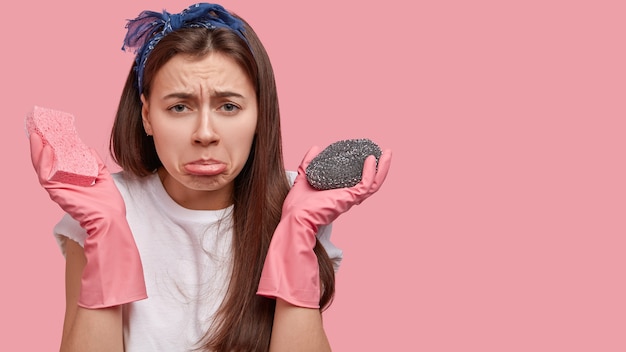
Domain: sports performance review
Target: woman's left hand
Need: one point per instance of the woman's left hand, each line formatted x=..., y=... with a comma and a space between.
x=291, y=269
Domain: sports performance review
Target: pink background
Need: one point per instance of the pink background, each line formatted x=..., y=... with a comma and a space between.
x=501, y=224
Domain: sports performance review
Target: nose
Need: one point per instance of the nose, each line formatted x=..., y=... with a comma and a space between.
x=205, y=133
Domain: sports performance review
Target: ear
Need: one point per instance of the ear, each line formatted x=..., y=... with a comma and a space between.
x=145, y=116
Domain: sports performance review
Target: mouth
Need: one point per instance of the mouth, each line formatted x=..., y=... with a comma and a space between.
x=204, y=167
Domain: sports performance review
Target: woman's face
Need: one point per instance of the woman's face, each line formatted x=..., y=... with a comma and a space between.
x=202, y=114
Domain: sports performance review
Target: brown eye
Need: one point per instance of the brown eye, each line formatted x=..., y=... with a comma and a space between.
x=178, y=108
x=228, y=107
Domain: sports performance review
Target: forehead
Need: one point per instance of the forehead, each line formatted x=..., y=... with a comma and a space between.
x=214, y=69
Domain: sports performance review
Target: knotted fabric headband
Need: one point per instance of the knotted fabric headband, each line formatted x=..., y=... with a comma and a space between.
x=145, y=31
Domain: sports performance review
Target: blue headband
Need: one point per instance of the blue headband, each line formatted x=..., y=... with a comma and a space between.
x=145, y=31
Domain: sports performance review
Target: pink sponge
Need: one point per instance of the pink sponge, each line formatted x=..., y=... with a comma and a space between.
x=74, y=163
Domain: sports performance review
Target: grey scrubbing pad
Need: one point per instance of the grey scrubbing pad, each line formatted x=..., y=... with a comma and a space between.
x=341, y=163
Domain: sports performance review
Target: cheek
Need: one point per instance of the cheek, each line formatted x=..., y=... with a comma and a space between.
x=242, y=142
x=167, y=145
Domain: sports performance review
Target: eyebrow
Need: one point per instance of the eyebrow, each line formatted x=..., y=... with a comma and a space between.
x=227, y=94
x=220, y=94
x=178, y=95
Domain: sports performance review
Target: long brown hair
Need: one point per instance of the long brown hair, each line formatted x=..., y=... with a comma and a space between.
x=244, y=320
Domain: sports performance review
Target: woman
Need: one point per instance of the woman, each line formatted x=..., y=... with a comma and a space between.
x=203, y=186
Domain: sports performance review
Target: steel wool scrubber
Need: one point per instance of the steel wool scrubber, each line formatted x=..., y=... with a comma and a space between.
x=341, y=163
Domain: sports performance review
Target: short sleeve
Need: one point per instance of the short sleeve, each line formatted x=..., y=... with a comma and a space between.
x=335, y=254
x=68, y=228
x=323, y=234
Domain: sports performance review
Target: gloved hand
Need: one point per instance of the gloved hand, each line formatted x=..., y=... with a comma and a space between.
x=113, y=274
x=291, y=269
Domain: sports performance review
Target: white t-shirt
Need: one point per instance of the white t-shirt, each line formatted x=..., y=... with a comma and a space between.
x=185, y=255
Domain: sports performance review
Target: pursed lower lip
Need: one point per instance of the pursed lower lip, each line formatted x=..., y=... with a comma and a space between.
x=205, y=168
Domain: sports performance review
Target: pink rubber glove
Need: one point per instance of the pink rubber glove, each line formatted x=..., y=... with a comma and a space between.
x=113, y=274
x=291, y=269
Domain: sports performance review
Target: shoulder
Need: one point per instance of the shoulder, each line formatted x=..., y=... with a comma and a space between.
x=130, y=184
x=291, y=176
x=126, y=180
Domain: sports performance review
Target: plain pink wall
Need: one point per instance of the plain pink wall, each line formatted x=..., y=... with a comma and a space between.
x=501, y=226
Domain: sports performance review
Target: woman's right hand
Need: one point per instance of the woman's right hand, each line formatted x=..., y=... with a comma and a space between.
x=101, y=201
x=113, y=274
